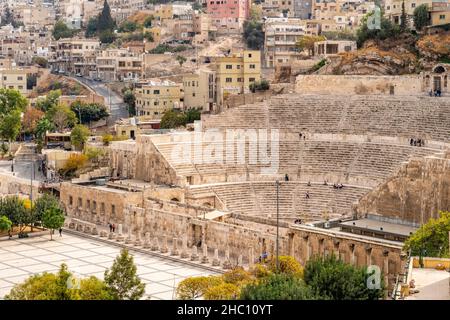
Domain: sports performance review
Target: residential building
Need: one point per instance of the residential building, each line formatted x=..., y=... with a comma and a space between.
x=440, y=13
x=200, y=90
x=156, y=97
x=393, y=9
x=333, y=47
x=303, y=9
x=119, y=65
x=280, y=38
x=228, y=15
x=13, y=78
x=278, y=8
x=236, y=72
x=75, y=56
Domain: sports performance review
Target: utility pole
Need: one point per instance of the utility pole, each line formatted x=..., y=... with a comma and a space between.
x=278, y=225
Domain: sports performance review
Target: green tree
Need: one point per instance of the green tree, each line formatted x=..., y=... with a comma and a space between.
x=173, y=119
x=148, y=21
x=277, y=287
x=62, y=117
x=5, y=223
x=50, y=100
x=181, y=60
x=53, y=218
x=387, y=30
x=192, y=115
x=431, y=239
x=128, y=26
x=42, y=62
x=88, y=112
x=14, y=209
x=332, y=279
x=130, y=100
x=10, y=126
x=79, y=136
x=62, y=31
x=105, y=21
x=253, y=34
x=43, y=203
x=91, y=28
x=107, y=36
x=421, y=17
x=122, y=280
x=93, y=288
x=223, y=291
x=307, y=43
x=11, y=100
x=8, y=18
x=42, y=127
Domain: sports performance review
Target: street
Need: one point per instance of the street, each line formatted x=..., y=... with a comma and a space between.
x=114, y=102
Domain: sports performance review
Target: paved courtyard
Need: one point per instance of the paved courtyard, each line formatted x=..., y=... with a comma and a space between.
x=432, y=284
x=85, y=257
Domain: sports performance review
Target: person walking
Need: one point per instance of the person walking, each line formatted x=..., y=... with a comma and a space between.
x=113, y=228
x=60, y=232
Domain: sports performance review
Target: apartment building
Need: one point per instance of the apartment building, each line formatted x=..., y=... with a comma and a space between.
x=278, y=8
x=228, y=16
x=200, y=90
x=234, y=73
x=119, y=65
x=440, y=13
x=14, y=78
x=393, y=9
x=303, y=9
x=280, y=38
x=340, y=15
x=333, y=47
x=156, y=97
x=75, y=56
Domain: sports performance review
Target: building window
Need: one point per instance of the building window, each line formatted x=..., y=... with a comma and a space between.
x=80, y=202
x=113, y=210
x=251, y=79
x=155, y=91
x=70, y=200
x=229, y=66
x=442, y=17
x=102, y=207
x=252, y=66
x=228, y=80
x=413, y=5
x=19, y=78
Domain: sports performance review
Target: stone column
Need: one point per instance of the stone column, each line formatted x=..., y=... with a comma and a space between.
x=368, y=255
x=240, y=260
x=164, y=248
x=175, y=247
x=194, y=255
x=147, y=240
x=251, y=257
x=386, y=267
x=120, y=237
x=155, y=245
x=184, y=253
x=308, y=247
x=216, y=261
x=227, y=262
x=336, y=249
x=205, y=254
x=137, y=242
x=129, y=239
x=352, y=253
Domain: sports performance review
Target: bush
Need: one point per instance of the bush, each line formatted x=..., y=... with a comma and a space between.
x=333, y=279
x=277, y=287
x=262, y=85
x=75, y=162
x=195, y=287
x=222, y=291
x=107, y=139
x=288, y=265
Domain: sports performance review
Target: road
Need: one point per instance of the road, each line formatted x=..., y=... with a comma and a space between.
x=118, y=109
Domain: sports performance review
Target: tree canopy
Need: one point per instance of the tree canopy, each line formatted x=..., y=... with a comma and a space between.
x=387, y=30
x=88, y=112
x=122, y=279
x=253, y=34
x=79, y=136
x=431, y=239
x=421, y=17
x=62, y=31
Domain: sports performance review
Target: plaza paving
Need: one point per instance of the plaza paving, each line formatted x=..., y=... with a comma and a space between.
x=432, y=284
x=85, y=257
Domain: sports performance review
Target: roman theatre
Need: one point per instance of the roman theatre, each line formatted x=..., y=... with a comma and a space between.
x=351, y=178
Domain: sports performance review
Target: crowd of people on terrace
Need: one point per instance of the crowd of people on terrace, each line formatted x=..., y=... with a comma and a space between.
x=417, y=142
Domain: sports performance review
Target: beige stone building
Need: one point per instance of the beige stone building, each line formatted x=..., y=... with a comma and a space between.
x=119, y=65
x=200, y=90
x=155, y=97
x=236, y=72
x=14, y=78
x=333, y=47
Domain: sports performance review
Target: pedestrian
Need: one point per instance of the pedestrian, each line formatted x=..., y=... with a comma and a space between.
x=110, y=227
x=113, y=228
x=286, y=177
x=60, y=232
x=411, y=141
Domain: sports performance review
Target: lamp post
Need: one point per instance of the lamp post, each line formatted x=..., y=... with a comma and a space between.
x=278, y=225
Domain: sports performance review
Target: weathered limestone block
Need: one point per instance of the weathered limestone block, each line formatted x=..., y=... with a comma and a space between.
x=205, y=254
x=240, y=260
x=72, y=225
x=164, y=248
x=147, y=244
x=216, y=261
x=94, y=231
x=103, y=233
x=175, y=247
x=227, y=263
x=155, y=244
x=87, y=229
x=194, y=255
x=184, y=251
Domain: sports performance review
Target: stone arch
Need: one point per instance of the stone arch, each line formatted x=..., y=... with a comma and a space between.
x=439, y=69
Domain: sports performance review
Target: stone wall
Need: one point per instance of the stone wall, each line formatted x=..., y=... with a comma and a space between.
x=414, y=195
x=97, y=204
x=359, y=85
x=10, y=184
